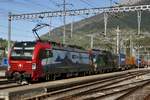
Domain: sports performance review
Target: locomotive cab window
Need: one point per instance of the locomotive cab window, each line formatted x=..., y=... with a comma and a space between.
x=22, y=51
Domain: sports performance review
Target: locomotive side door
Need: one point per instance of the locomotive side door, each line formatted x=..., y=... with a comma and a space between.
x=45, y=56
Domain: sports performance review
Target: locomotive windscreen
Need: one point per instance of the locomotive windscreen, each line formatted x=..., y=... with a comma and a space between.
x=22, y=51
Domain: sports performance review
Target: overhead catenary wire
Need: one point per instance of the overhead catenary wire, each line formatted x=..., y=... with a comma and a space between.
x=22, y=4
x=18, y=35
x=15, y=28
x=41, y=5
x=87, y=3
x=54, y=2
x=30, y=5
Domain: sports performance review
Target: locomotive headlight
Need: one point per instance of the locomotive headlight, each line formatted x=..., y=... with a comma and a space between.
x=8, y=68
x=34, y=66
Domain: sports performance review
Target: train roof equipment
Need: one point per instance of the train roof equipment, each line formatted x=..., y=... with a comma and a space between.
x=38, y=27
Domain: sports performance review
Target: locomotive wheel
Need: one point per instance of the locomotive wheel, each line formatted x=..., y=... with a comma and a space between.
x=50, y=77
x=63, y=75
x=53, y=77
x=47, y=77
x=17, y=76
x=24, y=82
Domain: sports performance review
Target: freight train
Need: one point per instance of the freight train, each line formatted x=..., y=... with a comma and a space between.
x=45, y=60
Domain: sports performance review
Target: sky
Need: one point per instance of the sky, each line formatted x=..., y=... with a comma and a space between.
x=22, y=29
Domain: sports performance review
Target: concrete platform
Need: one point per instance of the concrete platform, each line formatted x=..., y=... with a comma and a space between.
x=19, y=93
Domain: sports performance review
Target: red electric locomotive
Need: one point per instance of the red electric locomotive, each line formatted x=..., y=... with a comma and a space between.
x=25, y=62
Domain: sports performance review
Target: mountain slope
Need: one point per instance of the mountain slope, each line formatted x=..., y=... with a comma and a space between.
x=93, y=25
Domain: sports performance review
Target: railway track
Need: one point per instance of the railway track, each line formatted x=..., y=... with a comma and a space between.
x=5, y=84
x=114, y=93
x=122, y=97
x=5, y=81
x=9, y=86
x=96, y=89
